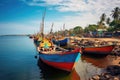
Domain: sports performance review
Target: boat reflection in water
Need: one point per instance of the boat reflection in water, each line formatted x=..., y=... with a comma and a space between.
x=100, y=62
x=89, y=66
x=50, y=73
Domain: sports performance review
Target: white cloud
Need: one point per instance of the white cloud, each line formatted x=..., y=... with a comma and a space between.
x=91, y=6
x=76, y=5
x=88, y=11
x=80, y=20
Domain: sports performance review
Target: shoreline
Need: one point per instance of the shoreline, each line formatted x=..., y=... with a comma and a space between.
x=103, y=39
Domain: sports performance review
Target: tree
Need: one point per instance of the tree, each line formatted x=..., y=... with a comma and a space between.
x=78, y=30
x=110, y=29
x=101, y=24
x=116, y=16
x=91, y=27
x=115, y=24
x=102, y=18
x=108, y=20
x=116, y=13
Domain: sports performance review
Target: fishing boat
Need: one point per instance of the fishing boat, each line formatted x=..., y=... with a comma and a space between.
x=54, y=55
x=61, y=60
x=102, y=50
x=58, y=57
x=62, y=42
x=31, y=36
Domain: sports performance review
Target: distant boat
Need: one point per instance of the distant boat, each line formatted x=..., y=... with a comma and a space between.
x=30, y=36
x=58, y=57
x=102, y=50
x=62, y=42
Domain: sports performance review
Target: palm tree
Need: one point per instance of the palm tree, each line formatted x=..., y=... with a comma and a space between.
x=116, y=13
x=116, y=16
x=101, y=25
x=108, y=20
x=102, y=18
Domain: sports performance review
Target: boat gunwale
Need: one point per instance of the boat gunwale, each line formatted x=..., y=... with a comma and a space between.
x=76, y=50
x=97, y=46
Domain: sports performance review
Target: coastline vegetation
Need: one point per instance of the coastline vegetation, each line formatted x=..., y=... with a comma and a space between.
x=106, y=23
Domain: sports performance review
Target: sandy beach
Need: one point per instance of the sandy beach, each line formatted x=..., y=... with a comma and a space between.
x=102, y=39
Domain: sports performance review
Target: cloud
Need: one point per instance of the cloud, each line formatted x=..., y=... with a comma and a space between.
x=75, y=5
x=96, y=7
x=86, y=11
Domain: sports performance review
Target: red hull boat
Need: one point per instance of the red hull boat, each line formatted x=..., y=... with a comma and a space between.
x=63, y=60
x=98, y=50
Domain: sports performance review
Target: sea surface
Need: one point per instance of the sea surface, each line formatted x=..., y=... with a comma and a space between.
x=18, y=62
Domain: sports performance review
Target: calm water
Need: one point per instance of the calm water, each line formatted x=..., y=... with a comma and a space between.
x=17, y=62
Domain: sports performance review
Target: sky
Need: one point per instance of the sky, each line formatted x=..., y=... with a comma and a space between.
x=25, y=16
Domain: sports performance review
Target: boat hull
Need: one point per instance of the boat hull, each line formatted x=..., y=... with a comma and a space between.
x=61, y=42
x=98, y=50
x=48, y=71
x=64, y=61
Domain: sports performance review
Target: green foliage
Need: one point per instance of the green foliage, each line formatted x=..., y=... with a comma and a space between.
x=116, y=13
x=92, y=27
x=110, y=29
x=78, y=30
x=108, y=20
x=102, y=18
x=115, y=24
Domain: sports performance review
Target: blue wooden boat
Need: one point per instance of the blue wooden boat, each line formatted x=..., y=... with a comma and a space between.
x=64, y=60
x=61, y=42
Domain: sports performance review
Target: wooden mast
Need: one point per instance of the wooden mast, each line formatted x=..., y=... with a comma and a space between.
x=42, y=24
x=64, y=30
x=51, y=28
